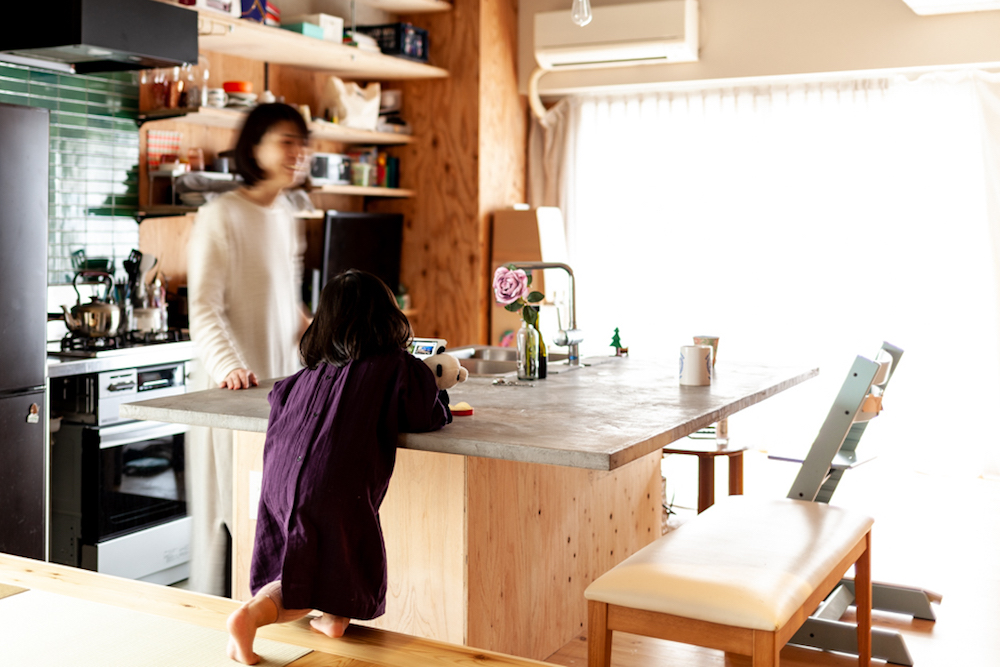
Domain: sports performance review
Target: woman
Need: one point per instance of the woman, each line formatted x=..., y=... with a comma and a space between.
x=244, y=305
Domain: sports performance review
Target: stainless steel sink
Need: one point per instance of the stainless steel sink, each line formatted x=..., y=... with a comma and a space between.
x=488, y=360
x=480, y=367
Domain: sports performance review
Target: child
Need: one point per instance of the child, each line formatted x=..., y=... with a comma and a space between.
x=329, y=453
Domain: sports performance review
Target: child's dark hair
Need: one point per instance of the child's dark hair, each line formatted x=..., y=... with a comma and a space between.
x=257, y=124
x=357, y=317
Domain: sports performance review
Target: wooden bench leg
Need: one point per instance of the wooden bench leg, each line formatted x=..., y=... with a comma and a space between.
x=706, y=482
x=863, y=602
x=766, y=652
x=598, y=635
x=736, y=474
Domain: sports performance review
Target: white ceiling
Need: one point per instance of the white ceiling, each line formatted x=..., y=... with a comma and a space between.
x=951, y=6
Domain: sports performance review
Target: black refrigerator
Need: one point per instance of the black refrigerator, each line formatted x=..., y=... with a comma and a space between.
x=24, y=201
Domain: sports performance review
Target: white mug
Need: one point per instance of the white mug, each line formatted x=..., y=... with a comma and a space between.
x=696, y=365
x=216, y=97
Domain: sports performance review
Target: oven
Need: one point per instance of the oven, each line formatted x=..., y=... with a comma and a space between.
x=118, y=494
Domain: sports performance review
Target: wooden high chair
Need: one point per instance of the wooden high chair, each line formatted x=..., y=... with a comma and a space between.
x=832, y=454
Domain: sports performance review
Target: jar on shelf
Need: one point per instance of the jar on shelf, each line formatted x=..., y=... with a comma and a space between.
x=174, y=88
x=156, y=82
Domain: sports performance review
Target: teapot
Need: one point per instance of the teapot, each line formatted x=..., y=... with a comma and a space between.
x=97, y=318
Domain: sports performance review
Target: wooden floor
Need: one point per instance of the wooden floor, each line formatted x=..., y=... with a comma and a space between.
x=937, y=532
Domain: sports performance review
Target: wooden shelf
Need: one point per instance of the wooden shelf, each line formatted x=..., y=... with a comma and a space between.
x=409, y=6
x=164, y=211
x=233, y=120
x=320, y=129
x=358, y=190
x=247, y=39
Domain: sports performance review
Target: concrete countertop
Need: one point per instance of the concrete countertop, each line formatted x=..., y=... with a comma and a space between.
x=598, y=417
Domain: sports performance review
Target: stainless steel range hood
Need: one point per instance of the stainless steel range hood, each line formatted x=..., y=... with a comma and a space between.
x=105, y=35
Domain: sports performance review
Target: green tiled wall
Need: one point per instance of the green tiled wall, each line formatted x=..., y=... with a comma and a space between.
x=93, y=160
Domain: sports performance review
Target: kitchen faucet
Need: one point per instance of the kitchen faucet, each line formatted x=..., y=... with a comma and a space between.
x=571, y=337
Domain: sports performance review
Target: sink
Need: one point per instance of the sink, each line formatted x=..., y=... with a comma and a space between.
x=486, y=360
x=490, y=360
x=480, y=367
x=485, y=353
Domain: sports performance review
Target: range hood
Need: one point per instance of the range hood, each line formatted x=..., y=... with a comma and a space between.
x=105, y=35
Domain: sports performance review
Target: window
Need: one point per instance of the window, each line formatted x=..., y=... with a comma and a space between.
x=803, y=224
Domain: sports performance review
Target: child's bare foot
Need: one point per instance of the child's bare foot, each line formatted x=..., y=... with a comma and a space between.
x=242, y=630
x=330, y=625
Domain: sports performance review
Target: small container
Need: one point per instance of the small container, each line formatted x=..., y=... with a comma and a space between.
x=332, y=26
x=174, y=89
x=400, y=39
x=307, y=29
x=237, y=86
x=362, y=174
x=196, y=158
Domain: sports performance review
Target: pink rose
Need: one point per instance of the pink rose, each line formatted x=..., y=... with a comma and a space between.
x=509, y=286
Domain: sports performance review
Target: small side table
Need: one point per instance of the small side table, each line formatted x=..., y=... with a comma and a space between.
x=706, y=451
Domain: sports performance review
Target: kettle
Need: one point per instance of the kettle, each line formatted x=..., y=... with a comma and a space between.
x=97, y=318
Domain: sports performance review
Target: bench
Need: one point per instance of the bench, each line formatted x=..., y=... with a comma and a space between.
x=361, y=645
x=740, y=577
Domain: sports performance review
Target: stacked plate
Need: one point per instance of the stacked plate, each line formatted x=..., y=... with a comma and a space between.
x=241, y=100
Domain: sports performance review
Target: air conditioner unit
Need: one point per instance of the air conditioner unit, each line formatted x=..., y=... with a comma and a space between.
x=631, y=34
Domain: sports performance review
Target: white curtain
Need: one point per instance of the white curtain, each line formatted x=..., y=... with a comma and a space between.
x=803, y=224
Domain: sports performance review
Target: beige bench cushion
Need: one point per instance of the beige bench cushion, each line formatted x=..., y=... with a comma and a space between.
x=744, y=562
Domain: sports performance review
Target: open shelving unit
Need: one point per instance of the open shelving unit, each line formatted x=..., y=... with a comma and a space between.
x=365, y=191
x=410, y=6
x=232, y=119
x=247, y=39
x=227, y=35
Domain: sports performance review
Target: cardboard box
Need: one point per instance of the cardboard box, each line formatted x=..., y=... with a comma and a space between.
x=333, y=26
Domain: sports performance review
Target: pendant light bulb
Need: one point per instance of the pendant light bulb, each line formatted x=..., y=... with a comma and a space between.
x=581, y=13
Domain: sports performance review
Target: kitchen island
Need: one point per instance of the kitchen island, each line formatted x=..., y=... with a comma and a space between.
x=496, y=524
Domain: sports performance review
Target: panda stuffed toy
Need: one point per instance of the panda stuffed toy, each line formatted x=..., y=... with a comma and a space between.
x=447, y=371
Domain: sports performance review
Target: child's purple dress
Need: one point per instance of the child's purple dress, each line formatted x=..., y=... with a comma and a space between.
x=328, y=457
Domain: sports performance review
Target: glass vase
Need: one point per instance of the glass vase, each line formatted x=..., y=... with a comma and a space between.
x=527, y=352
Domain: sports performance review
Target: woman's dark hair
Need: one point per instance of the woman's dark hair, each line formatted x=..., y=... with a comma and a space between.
x=260, y=120
x=357, y=317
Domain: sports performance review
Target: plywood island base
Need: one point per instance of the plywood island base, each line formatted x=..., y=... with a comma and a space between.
x=488, y=553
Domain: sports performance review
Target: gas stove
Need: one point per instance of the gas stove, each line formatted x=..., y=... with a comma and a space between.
x=73, y=346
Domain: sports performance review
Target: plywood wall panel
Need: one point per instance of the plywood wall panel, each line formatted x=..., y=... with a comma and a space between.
x=442, y=258
x=503, y=130
x=539, y=535
x=167, y=239
x=423, y=524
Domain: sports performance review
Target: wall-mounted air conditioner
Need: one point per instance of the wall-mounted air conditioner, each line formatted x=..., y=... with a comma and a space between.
x=665, y=31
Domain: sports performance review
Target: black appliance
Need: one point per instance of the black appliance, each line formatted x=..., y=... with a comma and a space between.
x=106, y=35
x=24, y=423
x=371, y=242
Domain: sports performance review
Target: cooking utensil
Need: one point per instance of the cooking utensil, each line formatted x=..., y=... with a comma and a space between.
x=97, y=318
x=145, y=265
x=132, y=268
